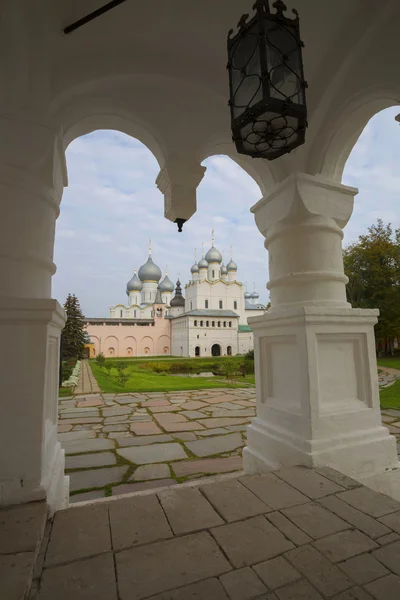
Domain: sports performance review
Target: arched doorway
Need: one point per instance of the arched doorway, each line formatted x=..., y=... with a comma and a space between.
x=229, y=350
x=197, y=351
x=216, y=350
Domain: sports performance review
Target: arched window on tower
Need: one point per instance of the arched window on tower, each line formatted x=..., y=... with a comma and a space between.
x=220, y=304
x=206, y=303
x=195, y=322
x=235, y=304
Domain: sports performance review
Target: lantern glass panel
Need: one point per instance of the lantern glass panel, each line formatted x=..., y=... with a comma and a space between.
x=271, y=132
x=246, y=72
x=284, y=62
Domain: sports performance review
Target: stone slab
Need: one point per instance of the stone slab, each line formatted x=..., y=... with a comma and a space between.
x=217, y=431
x=78, y=446
x=91, y=478
x=93, y=495
x=145, y=440
x=188, y=511
x=363, y=569
x=22, y=527
x=386, y=588
x=326, y=577
x=274, y=492
x=115, y=427
x=150, y=454
x=213, y=423
x=193, y=414
x=370, y=502
x=233, y=500
x=211, y=589
x=345, y=544
x=116, y=411
x=128, y=488
x=79, y=533
x=84, y=461
x=81, y=421
x=215, y=445
x=365, y=523
x=251, y=541
x=309, y=482
x=63, y=428
x=339, y=478
x=208, y=466
x=277, y=572
x=90, y=579
x=76, y=435
x=78, y=413
x=301, y=590
x=388, y=539
x=194, y=405
x=392, y=521
x=137, y=520
x=96, y=401
x=289, y=530
x=246, y=412
x=315, y=520
x=145, y=428
x=111, y=420
x=15, y=575
x=185, y=436
x=242, y=584
x=389, y=556
x=155, y=471
x=187, y=426
x=177, y=562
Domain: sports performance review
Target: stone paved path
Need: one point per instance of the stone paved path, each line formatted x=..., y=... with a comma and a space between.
x=87, y=383
x=122, y=443
x=296, y=534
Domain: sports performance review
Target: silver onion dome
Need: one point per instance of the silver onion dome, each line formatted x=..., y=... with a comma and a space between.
x=134, y=284
x=231, y=266
x=150, y=271
x=255, y=295
x=194, y=268
x=224, y=270
x=213, y=255
x=166, y=285
x=247, y=295
x=202, y=264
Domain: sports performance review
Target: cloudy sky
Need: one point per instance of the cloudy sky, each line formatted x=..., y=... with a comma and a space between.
x=112, y=208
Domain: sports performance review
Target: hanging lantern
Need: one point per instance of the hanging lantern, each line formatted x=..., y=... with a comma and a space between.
x=267, y=86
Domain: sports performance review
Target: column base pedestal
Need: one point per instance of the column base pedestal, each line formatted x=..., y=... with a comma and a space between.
x=318, y=398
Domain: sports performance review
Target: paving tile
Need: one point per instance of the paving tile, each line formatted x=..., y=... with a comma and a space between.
x=388, y=539
x=163, y=409
x=215, y=445
x=185, y=436
x=339, y=478
x=96, y=401
x=386, y=588
x=145, y=440
x=273, y=491
x=370, y=502
x=389, y=556
x=251, y=541
x=233, y=500
x=315, y=520
x=355, y=593
x=93, y=495
x=115, y=427
x=363, y=569
x=277, y=572
x=154, y=471
x=175, y=562
x=111, y=420
x=81, y=420
x=289, y=530
x=15, y=575
x=83, y=461
x=63, y=428
x=242, y=584
x=22, y=527
x=90, y=579
x=78, y=533
x=116, y=411
x=77, y=446
x=322, y=574
x=188, y=511
x=128, y=488
x=146, y=428
x=209, y=466
x=212, y=423
x=192, y=414
x=301, y=590
x=345, y=544
x=76, y=435
x=365, y=523
x=392, y=521
x=208, y=432
x=194, y=405
x=187, y=426
x=211, y=589
x=144, y=455
x=137, y=520
x=309, y=482
x=79, y=480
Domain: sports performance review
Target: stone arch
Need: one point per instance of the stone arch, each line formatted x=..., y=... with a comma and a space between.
x=146, y=346
x=96, y=342
x=110, y=346
x=164, y=341
x=129, y=343
x=216, y=349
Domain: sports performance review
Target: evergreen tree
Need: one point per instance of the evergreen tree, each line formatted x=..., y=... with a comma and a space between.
x=372, y=265
x=73, y=334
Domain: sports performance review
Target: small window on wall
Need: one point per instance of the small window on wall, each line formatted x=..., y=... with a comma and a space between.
x=201, y=323
x=191, y=305
x=206, y=304
x=235, y=304
x=134, y=314
x=224, y=323
x=195, y=323
x=213, y=323
x=220, y=303
x=213, y=274
x=230, y=323
x=207, y=323
x=219, y=323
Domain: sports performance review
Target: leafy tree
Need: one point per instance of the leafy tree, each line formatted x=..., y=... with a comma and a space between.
x=372, y=265
x=73, y=334
x=101, y=360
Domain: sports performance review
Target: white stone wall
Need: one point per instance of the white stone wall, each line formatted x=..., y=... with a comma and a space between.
x=179, y=337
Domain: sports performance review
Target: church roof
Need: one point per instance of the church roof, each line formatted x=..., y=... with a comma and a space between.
x=209, y=312
x=249, y=306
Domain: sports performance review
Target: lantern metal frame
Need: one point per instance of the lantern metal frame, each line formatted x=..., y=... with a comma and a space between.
x=276, y=135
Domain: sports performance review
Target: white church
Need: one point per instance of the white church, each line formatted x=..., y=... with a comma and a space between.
x=211, y=320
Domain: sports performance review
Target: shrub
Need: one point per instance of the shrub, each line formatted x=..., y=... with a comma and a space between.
x=249, y=355
x=108, y=366
x=101, y=360
x=161, y=367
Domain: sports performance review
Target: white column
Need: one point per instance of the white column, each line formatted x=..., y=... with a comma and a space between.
x=178, y=181
x=32, y=173
x=316, y=373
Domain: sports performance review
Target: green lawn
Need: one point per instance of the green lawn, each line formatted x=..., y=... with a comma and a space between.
x=390, y=396
x=392, y=362
x=145, y=380
x=64, y=392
